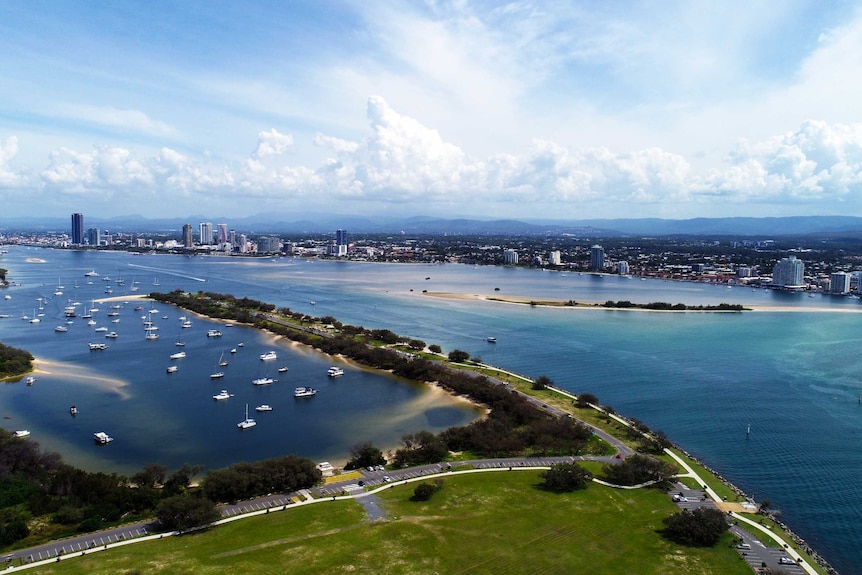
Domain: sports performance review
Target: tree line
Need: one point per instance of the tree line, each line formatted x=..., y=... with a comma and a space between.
x=14, y=361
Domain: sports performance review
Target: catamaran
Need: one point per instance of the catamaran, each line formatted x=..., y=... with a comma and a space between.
x=247, y=422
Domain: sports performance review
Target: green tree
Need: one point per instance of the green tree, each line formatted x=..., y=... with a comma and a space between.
x=182, y=512
x=639, y=469
x=458, y=356
x=585, y=399
x=542, y=382
x=702, y=527
x=152, y=475
x=434, y=348
x=365, y=455
x=416, y=344
x=563, y=477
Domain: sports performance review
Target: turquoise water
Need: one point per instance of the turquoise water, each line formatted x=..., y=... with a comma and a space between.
x=702, y=378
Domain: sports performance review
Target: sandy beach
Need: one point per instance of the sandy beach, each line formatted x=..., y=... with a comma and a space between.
x=592, y=305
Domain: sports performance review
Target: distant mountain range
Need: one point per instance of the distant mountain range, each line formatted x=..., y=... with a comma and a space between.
x=273, y=223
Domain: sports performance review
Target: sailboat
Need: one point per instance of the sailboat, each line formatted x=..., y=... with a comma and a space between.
x=180, y=342
x=222, y=361
x=217, y=373
x=247, y=422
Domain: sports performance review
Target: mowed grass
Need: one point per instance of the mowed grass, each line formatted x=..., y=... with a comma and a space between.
x=480, y=523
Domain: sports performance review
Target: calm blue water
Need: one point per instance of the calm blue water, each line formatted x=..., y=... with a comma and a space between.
x=702, y=378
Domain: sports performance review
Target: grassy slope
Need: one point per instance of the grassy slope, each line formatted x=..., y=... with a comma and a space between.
x=485, y=523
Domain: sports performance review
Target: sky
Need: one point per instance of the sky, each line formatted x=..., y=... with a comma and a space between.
x=547, y=110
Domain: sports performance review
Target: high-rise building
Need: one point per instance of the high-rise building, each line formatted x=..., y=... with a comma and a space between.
x=789, y=273
x=222, y=235
x=341, y=243
x=78, y=229
x=623, y=268
x=839, y=283
x=510, y=257
x=93, y=236
x=597, y=258
x=268, y=245
x=188, y=241
x=206, y=233
x=554, y=258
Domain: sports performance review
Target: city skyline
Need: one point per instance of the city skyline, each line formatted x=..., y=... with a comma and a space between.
x=530, y=109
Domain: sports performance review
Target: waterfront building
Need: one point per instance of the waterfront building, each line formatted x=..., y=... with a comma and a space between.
x=510, y=257
x=93, y=237
x=623, y=268
x=188, y=241
x=789, y=273
x=222, y=236
x=77, y=229
x=340, y=243
x=206, y=233
x=231, y=239
x=554, y=258
x=839, y=283
x=242, y=244
x=597, y=258
x=268, y=245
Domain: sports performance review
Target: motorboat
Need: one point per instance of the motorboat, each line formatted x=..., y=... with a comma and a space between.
x=172, y=369
x=262, y=381
x=304, y=392
x=91, y=274
x=268, y=355
x=112, y=335
x=178, y=355
x=73, y=410
x=30, y=380
x=102, y=438
x=217, y=375
x=263, y=407
x=491, y=339
x=214, y=333
x=282, y=369
x=247, y=422
x=233, y=350
x=97, y=346
x=223, y=394
x=101, y=329
x=61, y=329
x=186, y=324
x=22, y=433
x=335, y=372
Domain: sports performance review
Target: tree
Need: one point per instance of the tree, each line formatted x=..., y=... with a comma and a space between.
x=416, y=344
x=585, y=399
x=421, y=447
x=542, y=382
x=458, y=356
x=151, y=475
x=424, y=491
x=182, y=512
x=365, y=455
x=564, y=477
x=639, y=469
x=702, y=527
x=434, y=348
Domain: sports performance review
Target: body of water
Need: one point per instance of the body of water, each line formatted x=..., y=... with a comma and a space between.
x=700, y=377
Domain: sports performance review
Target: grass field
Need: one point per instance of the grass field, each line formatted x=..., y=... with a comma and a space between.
x=485, y=523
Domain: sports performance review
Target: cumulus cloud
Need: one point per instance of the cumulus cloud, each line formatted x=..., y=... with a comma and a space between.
x=272, y=143
x=817, y=162
x=401, y=161
x=8, y=177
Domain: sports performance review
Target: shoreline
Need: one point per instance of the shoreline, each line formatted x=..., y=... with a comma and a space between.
x=593, y=305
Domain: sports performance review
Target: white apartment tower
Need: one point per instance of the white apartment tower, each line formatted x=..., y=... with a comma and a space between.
x=789, y=273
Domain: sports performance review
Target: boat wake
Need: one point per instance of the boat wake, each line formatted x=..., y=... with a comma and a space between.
x=167, y=272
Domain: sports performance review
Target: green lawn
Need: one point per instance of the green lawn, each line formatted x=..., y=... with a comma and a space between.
x=481, y=523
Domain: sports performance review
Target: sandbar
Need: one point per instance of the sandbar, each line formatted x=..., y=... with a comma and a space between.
x=582, y=305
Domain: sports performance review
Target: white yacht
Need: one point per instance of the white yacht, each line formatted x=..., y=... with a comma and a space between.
x=97, y=346
x=100, y=329
x=102, y=438
x=112, y=335
x=282, y=369
x=73, y=410
x=304, y=392
x=214, y=333
x=263, y=407
x=172, y=369
x=223, y=394
x=335, y=372
x=268, y=355
x=186, y=324
x=247, y=422
x=91, y=274
x=30, y=380
x=61, y=328
x=178, y=355
x=151, y=336
x=217, y=375
x=22, y=433
x=262, y=381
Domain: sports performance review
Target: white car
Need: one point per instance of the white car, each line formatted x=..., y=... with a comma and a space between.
x=786, y=561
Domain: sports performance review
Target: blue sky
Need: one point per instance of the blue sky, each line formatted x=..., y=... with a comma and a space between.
x=551, y=110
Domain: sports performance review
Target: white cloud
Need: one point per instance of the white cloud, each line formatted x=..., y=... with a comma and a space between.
x=272, y=143
x=9, y=178
x=125, y=120
x=104, y=171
